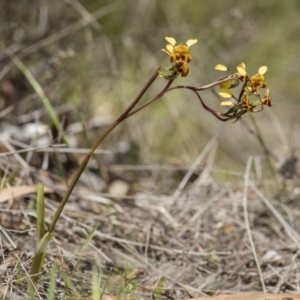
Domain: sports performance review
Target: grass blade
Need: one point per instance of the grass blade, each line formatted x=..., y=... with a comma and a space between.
x=40, y=213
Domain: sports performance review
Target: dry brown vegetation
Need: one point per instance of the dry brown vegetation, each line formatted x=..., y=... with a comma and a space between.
x=167, y=208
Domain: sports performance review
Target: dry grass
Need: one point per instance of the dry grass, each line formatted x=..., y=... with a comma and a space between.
x=196, y=236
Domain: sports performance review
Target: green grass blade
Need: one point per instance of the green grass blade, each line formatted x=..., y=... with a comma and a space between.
x=39, y=257
x=96, y=282
x=51, y=291
x=159, y=288
x=40, y=213
x=85, y=245
x=68, y=283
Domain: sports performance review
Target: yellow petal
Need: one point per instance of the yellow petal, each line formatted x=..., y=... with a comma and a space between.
x=170, y=48
x=226, y=103
x=171, y=40
x=262, y=70
x=191, y=42
x=225, y=93
x=225, y=85
x=267, y=93
x=242, y=65
x=220, y=67
x=241, y=71
x=164, y=50
x=248, y=89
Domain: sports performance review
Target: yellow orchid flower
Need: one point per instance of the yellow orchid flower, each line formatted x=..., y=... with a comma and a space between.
x=258, y=80
x=180, y=55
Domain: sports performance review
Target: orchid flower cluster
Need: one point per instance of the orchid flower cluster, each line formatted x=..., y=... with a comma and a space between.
x=249, y=98
x=251, y=89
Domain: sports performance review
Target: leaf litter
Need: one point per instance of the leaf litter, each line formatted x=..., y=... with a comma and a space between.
x=195, y=235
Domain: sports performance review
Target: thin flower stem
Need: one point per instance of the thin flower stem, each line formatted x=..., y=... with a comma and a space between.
x=139, y=96
x=243, y=88
x=84, y=163
x=167, y=89
x=205, y=87
x=78, y=174
x=40, y=253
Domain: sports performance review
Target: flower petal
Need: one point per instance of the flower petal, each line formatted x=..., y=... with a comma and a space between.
x=171, y=40
x=220, y=67
x=225, y=85
x=191, y=42
x=262, y=70
x=226, y=103
x=241, y=71
x=225, y=93
x=165, y=51
x=170, y=48
x=249, y=89
x=242, y=65
x=267, y=92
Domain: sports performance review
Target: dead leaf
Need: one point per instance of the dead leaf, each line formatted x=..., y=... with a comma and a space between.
x=227, y=228
x=19, y=191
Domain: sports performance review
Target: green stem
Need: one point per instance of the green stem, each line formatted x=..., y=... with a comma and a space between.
x=39, y=256
x=40, y=212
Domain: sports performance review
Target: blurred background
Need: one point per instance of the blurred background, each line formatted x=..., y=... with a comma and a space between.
x=93, y=57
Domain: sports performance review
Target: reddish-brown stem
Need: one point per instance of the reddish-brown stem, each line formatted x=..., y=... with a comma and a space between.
x=166, y=89
x=243, y=88
x=138, y=97
x=84, y=163
x=194, y=89
x=212, y=111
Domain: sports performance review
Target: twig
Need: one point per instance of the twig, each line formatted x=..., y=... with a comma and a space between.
x=15, y=153
x=3, y=231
